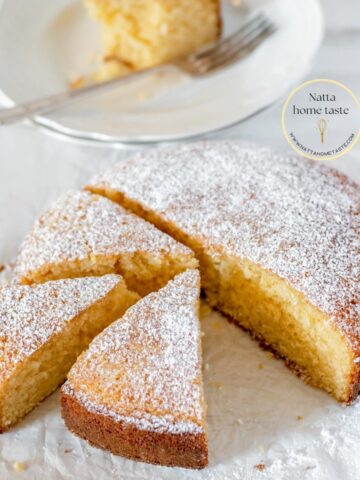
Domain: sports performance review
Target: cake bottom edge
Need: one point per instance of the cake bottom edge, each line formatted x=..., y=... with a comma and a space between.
x=185, y=450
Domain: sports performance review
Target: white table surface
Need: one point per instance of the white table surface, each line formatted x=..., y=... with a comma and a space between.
x=50, y=158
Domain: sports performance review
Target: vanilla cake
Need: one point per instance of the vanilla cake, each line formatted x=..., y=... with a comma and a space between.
x=43, y=329
x=84, y=234
x=137, y=391
x=142, y=33
x=278, y=240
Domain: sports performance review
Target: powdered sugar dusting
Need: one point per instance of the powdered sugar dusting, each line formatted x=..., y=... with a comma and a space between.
x=80, y=225
x=31, y=315
x=297, y=218
x=145, y=369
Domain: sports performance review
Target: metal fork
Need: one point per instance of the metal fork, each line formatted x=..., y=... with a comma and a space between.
x=203, y=62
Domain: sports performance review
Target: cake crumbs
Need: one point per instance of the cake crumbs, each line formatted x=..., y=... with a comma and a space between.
x=19, y=466
x=269, y=354
x=299, y=417
x=141, y=96
x=260, y=366
x=260, y=466
x=217, y=385
x=67, y=450
x=77, y=82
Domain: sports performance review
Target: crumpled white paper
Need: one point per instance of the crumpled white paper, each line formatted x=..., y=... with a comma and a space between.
x=263, y=422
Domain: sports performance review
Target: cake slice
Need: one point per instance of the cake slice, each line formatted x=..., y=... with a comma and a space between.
x=139, y=33
x=43, y=329
x=84, y=234
x=137, y=391
x=278, y=240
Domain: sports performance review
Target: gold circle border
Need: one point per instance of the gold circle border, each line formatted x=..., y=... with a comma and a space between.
x=292, y=93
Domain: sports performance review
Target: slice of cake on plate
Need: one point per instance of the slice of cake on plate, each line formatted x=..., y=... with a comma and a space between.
x=278, y=240
x=43, y=329
x=84, y=234
x=141, y=33
x=137, y=391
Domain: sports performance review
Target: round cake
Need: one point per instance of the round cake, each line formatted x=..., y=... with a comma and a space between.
x=278, y=240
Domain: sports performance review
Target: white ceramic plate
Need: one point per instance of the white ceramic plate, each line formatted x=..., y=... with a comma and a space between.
x=43, y=44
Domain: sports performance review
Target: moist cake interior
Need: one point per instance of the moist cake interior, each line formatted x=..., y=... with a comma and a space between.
x=266, y=305
x=43, y=330
x=83, y=234
x=139, y=33
x=137, y=391
x=143, y=272
x=282, y=320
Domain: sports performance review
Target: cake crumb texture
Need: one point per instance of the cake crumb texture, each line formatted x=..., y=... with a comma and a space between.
x=138, y=33
x=43, y=328
x=83, y=234
x=138, y=390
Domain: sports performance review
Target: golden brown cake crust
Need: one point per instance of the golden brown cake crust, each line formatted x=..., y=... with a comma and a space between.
x=354, y=384
x=219, y=18
x=187, y=450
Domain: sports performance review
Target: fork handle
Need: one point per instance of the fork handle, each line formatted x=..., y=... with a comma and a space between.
x=52, y=102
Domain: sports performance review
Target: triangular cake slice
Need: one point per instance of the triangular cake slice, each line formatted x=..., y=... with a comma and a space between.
x=137, y=391
x=84, y=234
x=43, y=329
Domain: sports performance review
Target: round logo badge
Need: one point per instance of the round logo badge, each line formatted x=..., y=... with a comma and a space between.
x=321, y=119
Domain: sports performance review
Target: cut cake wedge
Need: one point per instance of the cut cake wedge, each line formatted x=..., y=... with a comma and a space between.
x=137, y=391
x=43, y=329
x=84, y=234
